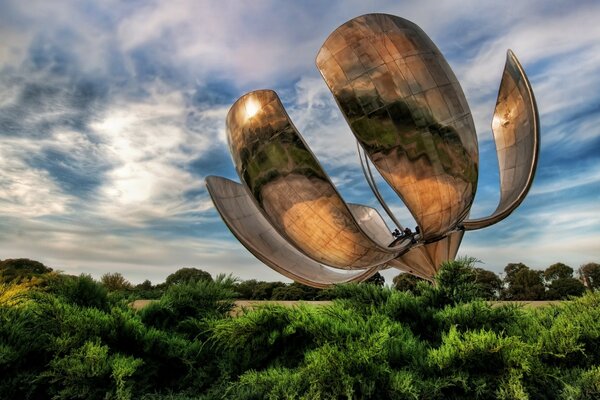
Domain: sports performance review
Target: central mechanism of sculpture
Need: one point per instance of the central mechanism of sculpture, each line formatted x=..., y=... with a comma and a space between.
x=412, y=122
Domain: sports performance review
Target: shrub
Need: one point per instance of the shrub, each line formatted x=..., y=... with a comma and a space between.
x=83, y=291
x=184, y=303
x=370, y=343
x=89, y=372
x=456, y=282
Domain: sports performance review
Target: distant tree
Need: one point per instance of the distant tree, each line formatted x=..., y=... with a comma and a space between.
x=512, y=269
x=264, y=290
x=115, y=281
x=563, y=288
x=245, y=289
x=590, y=275
x=377, y=279
x=146, y=285
x=523, y=283
x=560, y=282
x=491, y=284
x=19, y=269
x=146, y=290
x=289, y=292
x=187, y=275
x=406, y=282
x=558, y=271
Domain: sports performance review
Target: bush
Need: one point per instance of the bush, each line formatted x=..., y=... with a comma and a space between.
x=83, y=291
x=183, y=306
x=370, y=343
x=456, y=282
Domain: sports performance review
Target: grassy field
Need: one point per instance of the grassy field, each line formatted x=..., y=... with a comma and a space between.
x=241, y=305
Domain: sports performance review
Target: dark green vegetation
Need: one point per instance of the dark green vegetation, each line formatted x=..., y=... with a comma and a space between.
x=71, y=338
x=522, y=283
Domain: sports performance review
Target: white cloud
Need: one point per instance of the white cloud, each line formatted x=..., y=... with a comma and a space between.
x=96, y=249
x=567, y=180
x=28, y=192
x=149, y=146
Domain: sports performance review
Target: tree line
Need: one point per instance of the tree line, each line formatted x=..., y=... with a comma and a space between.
x=557, y=282
x=519, y=282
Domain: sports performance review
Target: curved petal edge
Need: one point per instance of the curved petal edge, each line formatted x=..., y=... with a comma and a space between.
x=517, y=136
x=252, y=229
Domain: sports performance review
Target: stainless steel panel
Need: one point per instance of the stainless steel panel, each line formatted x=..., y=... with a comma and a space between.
x=444, y=249
x=516, y=133
x=251, y=228
x=371, y=223
x=415, y=261
x=292, y=190
x=407, y=110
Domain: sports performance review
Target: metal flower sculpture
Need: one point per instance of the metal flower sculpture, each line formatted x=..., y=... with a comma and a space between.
x=412, y=122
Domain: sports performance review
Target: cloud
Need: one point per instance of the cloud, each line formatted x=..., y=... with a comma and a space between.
x=28, y=192
x=568, y=180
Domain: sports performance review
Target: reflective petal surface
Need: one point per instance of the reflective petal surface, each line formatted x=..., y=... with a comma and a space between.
x=516, y=133
x=407, y=110
x=292, y=190
x=251, y=228
x=424, y=260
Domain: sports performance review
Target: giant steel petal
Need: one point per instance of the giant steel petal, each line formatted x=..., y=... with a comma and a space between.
x=252, y=229
x=516, y=133
x=292, y=190
x=408, y=112
x=444, y=249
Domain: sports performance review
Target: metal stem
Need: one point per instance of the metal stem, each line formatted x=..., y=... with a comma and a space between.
x=371, y=181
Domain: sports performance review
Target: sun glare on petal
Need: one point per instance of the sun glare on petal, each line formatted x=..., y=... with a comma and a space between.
x=252, y=107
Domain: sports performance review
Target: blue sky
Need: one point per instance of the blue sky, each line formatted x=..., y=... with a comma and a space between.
x=112, y=113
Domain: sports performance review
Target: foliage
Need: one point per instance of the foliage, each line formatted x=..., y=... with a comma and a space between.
x=81, y=290
x=491, y=284
x=298, y=291
x=146, y=291
x=590, y=275
x=115, y=282
x=523, y=283
x=560, y=282
x=187, y=275
x=439, y=342
x=21, y=269
x=257, y=290
x=563, y=288
x=183, y=306
x=456, y=282
x=406, y=282
x=558, y=271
